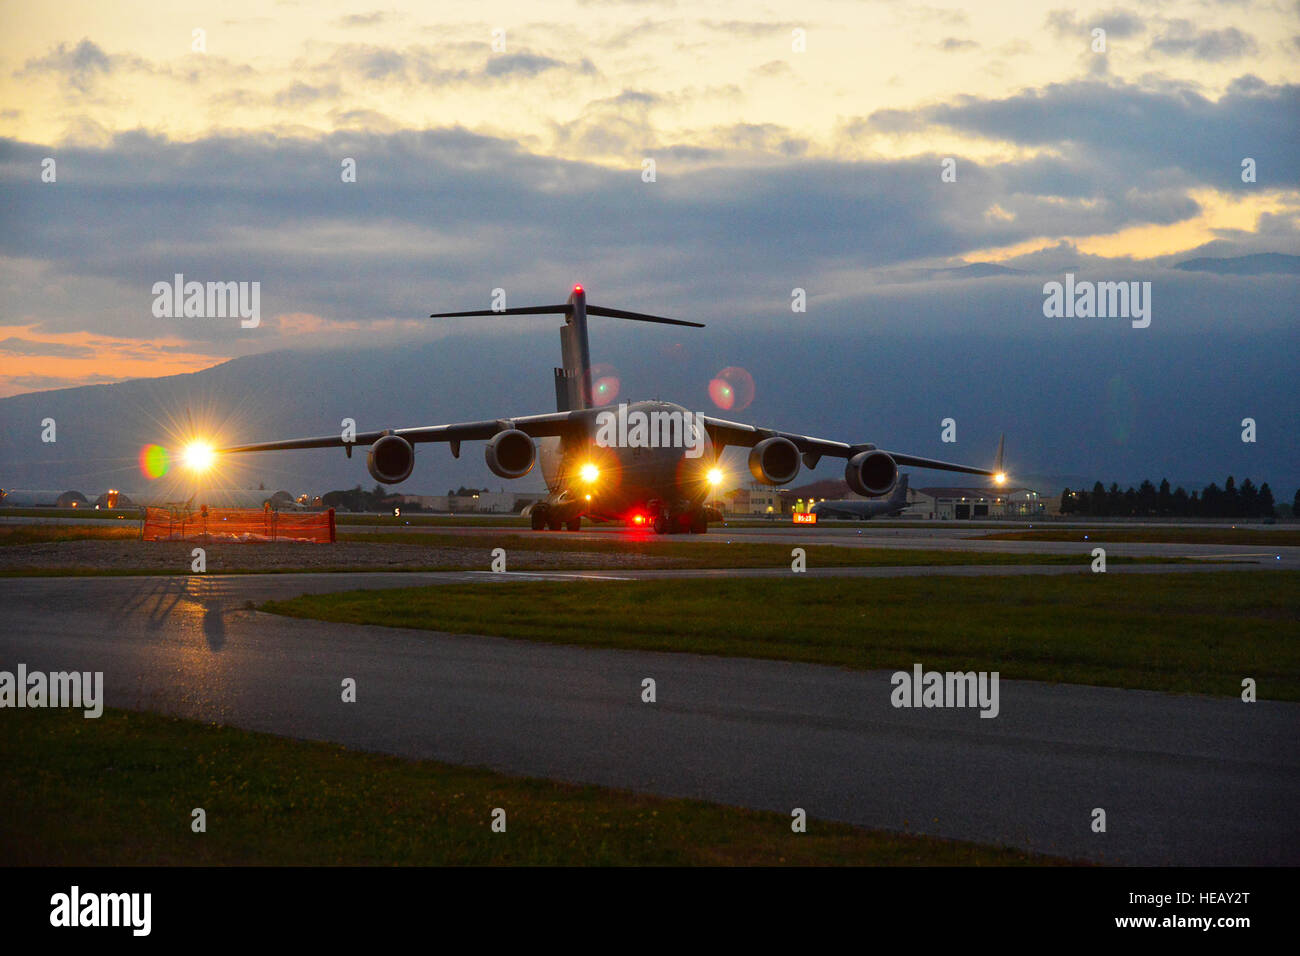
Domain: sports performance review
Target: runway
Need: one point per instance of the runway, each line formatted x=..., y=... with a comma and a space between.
x=928, y=538
x=1182, y=779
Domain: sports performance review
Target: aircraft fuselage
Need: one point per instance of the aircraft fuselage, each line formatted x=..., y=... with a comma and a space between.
x=661, y=468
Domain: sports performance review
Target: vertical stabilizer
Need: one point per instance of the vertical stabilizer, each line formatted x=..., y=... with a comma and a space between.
x=575, y=354
x=900, y=491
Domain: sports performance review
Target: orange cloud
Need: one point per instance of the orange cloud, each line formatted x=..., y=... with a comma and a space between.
x=32, y=361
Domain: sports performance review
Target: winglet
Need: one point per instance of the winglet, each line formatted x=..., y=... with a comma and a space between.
x=1002, y=444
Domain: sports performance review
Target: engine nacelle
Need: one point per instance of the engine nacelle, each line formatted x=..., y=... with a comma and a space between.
x=871, y=473
x=774, y=461
x=391, y=459
x=510, y=453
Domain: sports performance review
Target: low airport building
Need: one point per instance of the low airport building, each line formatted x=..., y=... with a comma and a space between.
x=965, y=504
x=756, y=499
x=30, y=498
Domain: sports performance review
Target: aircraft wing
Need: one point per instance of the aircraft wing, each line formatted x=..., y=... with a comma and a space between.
x=723, y=432
x=536, y=426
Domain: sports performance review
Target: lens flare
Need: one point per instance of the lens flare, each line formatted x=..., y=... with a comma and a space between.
x=589, y=472
x=732, y=389
x=198, y=456
x=715, y=476
x=604, y=384
x=153, y=461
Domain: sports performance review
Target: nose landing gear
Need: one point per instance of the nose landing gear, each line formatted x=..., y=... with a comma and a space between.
x=543, y=516
x=696, y=522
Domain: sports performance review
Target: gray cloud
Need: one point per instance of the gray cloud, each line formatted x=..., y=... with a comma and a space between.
x=530, y=64
x=374, y=18
x=81, y=66
x=429, y=65
x=1152, y=134
x=300, y=94
x=1117, y=22
x=1181, y=38
x=751, y=29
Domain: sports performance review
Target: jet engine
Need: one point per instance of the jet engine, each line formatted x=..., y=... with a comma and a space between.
x=774, y=461
x=510, y=453
x=871, y=473
x=391, y=459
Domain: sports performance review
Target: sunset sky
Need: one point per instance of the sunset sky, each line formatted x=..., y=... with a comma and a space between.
x=795, y=145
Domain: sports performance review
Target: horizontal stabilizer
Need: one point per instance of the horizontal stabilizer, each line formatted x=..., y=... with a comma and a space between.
x=565, y=309
x=639, y=316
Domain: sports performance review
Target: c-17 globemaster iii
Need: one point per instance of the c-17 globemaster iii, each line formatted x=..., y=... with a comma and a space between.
x=663, y=483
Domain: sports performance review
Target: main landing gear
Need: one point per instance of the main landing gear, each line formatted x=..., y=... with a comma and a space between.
x=543, y=516
x=696, y=522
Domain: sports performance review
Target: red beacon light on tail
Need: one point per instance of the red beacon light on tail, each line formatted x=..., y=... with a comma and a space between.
x=578, y=288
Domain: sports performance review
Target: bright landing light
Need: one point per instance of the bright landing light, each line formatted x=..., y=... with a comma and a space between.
x=198, y=456
x=715, y=476
x=1000, y=477
x=589, y=472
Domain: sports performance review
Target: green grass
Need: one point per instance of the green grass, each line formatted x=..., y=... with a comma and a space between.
x=16, y=534
x=1171, y=535
x=130, y=514
x=1199, y=633
x=119, y=790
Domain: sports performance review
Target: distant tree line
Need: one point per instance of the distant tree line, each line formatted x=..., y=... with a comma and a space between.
x=1149, y=501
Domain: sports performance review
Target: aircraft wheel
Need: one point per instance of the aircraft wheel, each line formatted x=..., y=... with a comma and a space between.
x=554, y=523
x=574, y=524
x=538, y=519
x=661, y=524
x=699, y=525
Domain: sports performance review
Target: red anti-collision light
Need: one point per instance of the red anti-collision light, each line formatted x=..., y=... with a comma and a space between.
x=577, y=288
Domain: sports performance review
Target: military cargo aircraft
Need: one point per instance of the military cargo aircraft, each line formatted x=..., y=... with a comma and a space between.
x=650, y=464
x=865, y=507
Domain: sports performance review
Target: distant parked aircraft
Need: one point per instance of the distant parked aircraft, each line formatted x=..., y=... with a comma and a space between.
x=864, y=508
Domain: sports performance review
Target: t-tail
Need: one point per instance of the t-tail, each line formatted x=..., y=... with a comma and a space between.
x=573, y=379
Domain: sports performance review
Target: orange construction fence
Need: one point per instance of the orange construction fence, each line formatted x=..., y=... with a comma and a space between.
x=237, y=524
